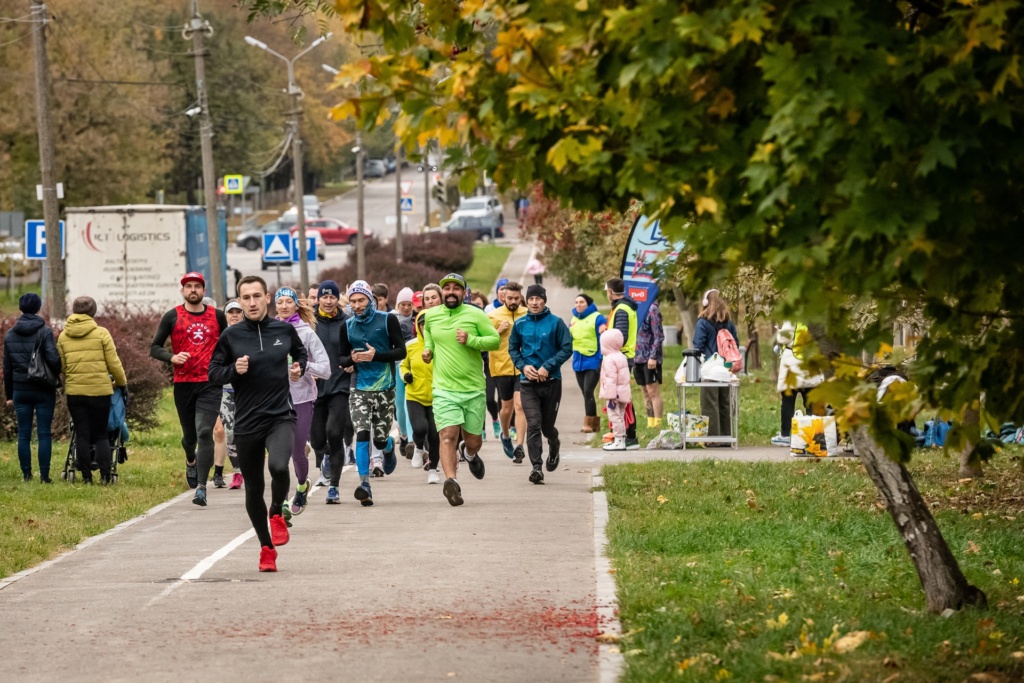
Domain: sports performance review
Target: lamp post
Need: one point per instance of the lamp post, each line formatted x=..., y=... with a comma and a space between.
x=296, y=94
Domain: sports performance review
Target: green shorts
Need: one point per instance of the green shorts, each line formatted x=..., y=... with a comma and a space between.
x=464, y=409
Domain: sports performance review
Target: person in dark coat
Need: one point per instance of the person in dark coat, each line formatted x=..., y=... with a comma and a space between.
x=31, y=398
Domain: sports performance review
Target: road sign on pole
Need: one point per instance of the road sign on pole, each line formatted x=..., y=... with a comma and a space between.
x=407, y=204
x=233, y=184
x=310, y=248
x=276, y=247
x=406, y=187
x=35, y=240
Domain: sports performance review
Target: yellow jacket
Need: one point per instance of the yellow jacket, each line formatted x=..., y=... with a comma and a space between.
x=499, y=361
x=88, y=358
x=421, y=390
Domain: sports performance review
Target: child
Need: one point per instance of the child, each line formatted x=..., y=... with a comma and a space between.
x=792, y=381
x=615, y=387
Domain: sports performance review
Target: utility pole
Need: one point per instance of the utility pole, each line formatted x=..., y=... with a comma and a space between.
x=398, y=203
x=194, y=31
x=360, y=206
x=56, y=279
x=426, y=184
x=296, y=94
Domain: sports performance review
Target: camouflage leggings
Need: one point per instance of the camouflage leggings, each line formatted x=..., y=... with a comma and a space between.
x=372, y=414
x=227, y=418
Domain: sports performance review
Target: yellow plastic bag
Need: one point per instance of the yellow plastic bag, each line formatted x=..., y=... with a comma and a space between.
x=815, y=436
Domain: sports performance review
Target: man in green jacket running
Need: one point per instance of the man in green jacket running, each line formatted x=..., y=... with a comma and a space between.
x=454, y=337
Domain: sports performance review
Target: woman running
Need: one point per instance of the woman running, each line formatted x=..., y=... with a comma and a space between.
x=303, y=391
x=419, y=397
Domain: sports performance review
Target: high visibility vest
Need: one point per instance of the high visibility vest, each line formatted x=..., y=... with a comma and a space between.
x=584, y=334
x=629, y=344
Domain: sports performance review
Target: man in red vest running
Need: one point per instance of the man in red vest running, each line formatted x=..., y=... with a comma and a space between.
x=194, y=329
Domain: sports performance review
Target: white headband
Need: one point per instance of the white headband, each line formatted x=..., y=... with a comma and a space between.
x=705, y=302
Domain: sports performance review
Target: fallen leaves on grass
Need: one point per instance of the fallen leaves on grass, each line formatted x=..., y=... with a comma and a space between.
x=662, y=500
x=851, y=641
x=972, y=547
x=774, y=624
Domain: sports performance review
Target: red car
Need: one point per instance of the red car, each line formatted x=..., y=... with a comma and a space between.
x=332, y=230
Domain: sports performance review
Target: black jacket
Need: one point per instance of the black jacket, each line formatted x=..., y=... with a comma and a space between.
x=262, y=394
x=19, y=342
x=329, y=332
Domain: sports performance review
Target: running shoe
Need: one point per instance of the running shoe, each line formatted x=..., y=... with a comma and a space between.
x=236, y=481
x=632, y=444
x=268, y=559
x=507, y=446
x=780, y=440
x=200, y=497
x=299, y=501
x=364, y=495
x=332, y=496
x=377, y=472
x=278, y=531
x=497, y=429
x=417, y=458
x=286, y=511
x=432, y=477
x=553, y=455
x=192, y=474
x=453, y=492
x=218, y=481
x=536, y=476
x=512, y=433
x=476, y=463
x=325, y=469
x=403, y=446
x=390, y=461
x=519, y=455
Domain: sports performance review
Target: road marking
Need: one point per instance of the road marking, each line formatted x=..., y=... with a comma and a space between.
x=610, y=661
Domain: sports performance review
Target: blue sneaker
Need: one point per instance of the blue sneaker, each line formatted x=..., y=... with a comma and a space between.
x=325, y=467
x=497, y=429
x=364, y=495
x=299, y=501
x=332, y=496
x=506, y=445
x=200, y=496
x=390, y=461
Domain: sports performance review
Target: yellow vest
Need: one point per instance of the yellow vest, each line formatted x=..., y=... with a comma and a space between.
x=584, y=334
x=629, y=345
x=500, y=362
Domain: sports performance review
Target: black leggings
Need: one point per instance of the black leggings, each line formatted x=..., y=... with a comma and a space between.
x=789, y=408
x=274, y=440
x=89, y=413
x=492, y=398
x=424, y=431
x=332, y=431
x=197, y=413
x=588, y=379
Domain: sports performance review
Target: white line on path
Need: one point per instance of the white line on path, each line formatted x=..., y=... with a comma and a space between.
x=609, y=656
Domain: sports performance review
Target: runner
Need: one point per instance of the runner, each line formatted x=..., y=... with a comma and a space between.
x=303, y=391
x=431, y=296
x=254, y=357
x=539, y=345
x=194, y=329
x=493, y=398
x=332, y=433
x=371, y=341
x=419, y=397
x=499, y=300
x=623, y=318
x=505, y=374
x=457, y=334
x=233, y=312
x=403, y=309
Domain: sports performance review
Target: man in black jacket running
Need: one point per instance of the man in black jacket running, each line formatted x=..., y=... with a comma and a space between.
x=253, y=356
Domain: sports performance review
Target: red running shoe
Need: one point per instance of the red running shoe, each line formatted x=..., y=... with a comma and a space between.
x=268, y=559
x=236, y=481
x=278, y=530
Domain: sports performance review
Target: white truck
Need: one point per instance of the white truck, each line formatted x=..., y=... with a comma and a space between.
x=132, y=257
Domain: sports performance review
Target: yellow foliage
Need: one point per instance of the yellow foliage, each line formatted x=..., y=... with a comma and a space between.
x=707, y=205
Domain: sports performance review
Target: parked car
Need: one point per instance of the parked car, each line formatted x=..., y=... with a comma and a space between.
x=375, y=168
x=253, y=239
x=333, y=231
x=320, y=250
x=488, y=205
x=390, y=164
x=311, y=203
x=291, y=214
x=485, y=227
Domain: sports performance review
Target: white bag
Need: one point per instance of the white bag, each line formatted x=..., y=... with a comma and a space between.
x=714, y=370
x=812, y=435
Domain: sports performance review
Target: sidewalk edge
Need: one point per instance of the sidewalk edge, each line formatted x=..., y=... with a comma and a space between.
x=610, y=660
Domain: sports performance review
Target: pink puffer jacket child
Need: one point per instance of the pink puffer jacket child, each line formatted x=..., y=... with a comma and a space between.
x=614, y=368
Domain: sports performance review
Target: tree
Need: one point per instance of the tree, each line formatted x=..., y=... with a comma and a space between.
x=862, y=151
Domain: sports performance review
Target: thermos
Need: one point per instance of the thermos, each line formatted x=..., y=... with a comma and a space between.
x=691, y=360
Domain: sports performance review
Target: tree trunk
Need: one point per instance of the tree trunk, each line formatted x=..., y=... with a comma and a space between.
x=753, y=347
x=944, y=584
x=969, y=469
x=688, y=315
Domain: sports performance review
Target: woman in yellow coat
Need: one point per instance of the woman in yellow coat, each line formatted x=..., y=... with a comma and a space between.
x=88, y=359
x=419, y=398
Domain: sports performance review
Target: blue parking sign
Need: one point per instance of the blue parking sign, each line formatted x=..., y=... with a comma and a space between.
x=35, y=240
x=311, y=254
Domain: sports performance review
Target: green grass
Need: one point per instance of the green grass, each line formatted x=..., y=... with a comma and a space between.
x=708, y=556
x=488, y=260
x=39, y=521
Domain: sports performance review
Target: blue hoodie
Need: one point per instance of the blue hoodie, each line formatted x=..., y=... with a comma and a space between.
x=581, y=363
x=541, y=340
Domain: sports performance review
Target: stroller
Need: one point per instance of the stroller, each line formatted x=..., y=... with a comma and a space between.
x=117, y=433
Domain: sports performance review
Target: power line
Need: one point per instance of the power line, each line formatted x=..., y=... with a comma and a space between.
x=23, y=37
x=113, y=82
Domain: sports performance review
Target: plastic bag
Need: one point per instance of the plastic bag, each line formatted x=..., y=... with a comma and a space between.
x=812, y=435
x=714, y=370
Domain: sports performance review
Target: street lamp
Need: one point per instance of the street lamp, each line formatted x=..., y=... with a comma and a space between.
x=296, y=93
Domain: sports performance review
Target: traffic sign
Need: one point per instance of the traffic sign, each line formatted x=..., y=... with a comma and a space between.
x=407, y=204
x=406, y=187
x=233, y=184
x=276, y=247
x=35, y=240
x=310, y=248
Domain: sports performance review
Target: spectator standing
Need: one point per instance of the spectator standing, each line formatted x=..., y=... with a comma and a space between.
x=714, y=401
x=650, y=339
x=536, y=269
x=30, y=397
x=793, y=381
x=615, y=387
x=624, y=319
x=585, y=328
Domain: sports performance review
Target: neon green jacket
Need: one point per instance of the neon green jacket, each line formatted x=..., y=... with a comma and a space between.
x=459, y=367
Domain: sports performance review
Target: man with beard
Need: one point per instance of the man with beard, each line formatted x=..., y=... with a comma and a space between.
x=504, y=373
x=194, y=329
x=454, y=337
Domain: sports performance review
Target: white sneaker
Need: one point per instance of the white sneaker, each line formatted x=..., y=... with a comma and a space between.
x=617, y=444
x=432, y=477
x=323, y=481
x=779, y=440
x=417, y=458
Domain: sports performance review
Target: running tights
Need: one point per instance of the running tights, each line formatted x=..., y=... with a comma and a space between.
x=332, y=431
x=424, y=431
x=274, y=440
x=303, y=422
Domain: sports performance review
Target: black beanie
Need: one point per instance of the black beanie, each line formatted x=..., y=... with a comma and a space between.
x=30, y=303
x=536, y=290
x=587, y=298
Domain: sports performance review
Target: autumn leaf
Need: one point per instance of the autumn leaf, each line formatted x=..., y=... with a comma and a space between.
x=706, y=205
x=972, y=547
x=851, y=641
x=775, y=624
x=662, y=500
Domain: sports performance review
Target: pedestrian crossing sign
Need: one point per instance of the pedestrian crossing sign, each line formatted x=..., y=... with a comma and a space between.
x=277, y=247
x=407, y=204
x=233, y=184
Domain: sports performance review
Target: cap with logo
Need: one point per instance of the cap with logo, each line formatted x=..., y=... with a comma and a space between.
x=193, y=276
x=233, y=306
x=453, y=277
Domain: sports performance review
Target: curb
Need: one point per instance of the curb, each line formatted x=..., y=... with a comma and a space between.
x=610, y=660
